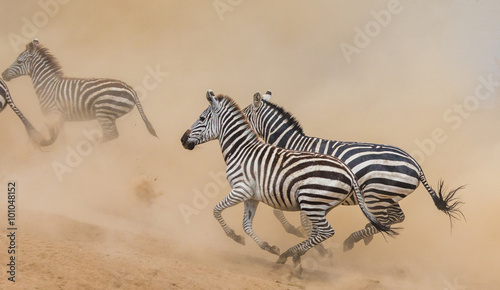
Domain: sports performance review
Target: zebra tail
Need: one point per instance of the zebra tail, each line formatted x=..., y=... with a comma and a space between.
x=373, y=219
x=144, y=118
x=448, y=203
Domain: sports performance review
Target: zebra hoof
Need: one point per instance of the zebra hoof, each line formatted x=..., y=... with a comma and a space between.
x=296, y=261
x=282, y=259
x=348, y=245
x=298, y=232
x=368, y=240
x=297, y=271
x=321, y=250
x=240, y=240
x=274, y=250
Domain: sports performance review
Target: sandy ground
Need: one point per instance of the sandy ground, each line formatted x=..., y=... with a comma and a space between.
x=136, y=212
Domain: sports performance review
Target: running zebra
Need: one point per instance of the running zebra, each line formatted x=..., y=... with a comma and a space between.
x=73, y=99
x=34, y=135
x=283, y=179
x=386, y=174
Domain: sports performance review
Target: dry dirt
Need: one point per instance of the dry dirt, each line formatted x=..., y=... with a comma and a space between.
x=135, y=212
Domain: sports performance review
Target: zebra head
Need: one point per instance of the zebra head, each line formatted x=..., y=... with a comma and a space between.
x=206, y=128
x=23, y=64
x=255, y=111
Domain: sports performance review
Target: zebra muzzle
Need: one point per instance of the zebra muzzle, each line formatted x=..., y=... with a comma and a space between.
x=185, y=140
x=6, y=75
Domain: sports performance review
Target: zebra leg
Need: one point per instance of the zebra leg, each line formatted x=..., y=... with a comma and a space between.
x=231, y=200
x=289, y=228
x=108, y=126
x=321, y=231
x=306, y=231
x=392, y=215
x=250, y=209
x=396, y=215
x=54, y=124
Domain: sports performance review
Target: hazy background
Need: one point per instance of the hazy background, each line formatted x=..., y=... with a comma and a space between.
x=400, y=88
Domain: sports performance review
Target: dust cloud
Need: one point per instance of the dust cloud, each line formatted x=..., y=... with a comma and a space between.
x=136, y=212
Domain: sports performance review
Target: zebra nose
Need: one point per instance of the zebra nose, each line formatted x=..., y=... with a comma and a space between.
x=184, y=140
x=5, y=75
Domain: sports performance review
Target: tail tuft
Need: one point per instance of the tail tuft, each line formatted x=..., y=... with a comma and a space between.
x=386, y=229
x=151, y=129
x=449, y=203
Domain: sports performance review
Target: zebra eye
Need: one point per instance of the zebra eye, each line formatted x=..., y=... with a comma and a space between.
x=19, y=61
x=202, y=119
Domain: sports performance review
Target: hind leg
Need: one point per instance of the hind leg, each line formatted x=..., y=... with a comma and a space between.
x=289, y=228
x=306, y=231
x=321, y=230
x=391, y=215
x=108, y=126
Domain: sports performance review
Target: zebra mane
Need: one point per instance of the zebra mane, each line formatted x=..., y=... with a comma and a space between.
x=234, y=106
x=291, y=121
x=52, y=61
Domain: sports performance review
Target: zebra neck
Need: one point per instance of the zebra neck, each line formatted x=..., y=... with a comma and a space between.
x=45, y=77
x=288, y=139
x=234, y=139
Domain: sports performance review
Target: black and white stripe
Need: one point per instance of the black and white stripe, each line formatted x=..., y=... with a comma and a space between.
x=283, y=179
x=4, y=94
x=386, y=174
x=74, y=99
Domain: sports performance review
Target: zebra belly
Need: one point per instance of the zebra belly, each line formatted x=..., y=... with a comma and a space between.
x=276, y=200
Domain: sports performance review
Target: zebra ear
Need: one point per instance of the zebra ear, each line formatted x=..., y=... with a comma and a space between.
x=32, y=45
x=267, y=96
x=211, y=99
x=257, y=98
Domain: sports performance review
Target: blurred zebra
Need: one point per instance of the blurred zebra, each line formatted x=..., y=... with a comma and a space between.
x=283, y=179
x=386, y=174
x=74, y=99
x=34, y=135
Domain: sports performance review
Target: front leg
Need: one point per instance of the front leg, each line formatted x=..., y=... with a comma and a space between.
x=233, y=198
x=250, y=209
x=54, y=124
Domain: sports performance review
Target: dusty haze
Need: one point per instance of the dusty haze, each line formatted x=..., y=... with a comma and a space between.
x=115, y=220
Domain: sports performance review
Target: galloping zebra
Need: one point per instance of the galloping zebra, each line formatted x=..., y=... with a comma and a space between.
x=386, y=174
x=36, y=136
x=280, y=178
x=73, y=99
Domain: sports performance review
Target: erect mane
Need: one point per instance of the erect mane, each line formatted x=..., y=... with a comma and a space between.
x=227, y=99
x=52, y=61
x=291, y=121
x=233, y=105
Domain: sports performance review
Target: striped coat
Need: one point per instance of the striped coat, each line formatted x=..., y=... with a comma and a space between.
x=283, y=179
